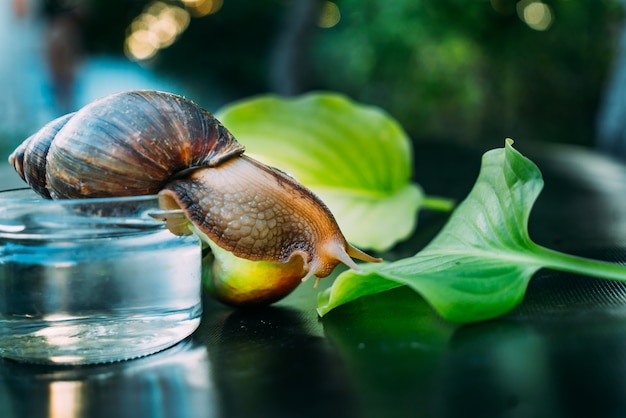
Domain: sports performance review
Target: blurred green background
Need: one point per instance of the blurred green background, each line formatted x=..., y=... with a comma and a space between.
x=470, y=71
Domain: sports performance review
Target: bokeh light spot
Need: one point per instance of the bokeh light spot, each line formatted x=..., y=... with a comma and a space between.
x=141, y=44
x=156, y=28
x=536, y=14
x=329, y=16
x=199, y=8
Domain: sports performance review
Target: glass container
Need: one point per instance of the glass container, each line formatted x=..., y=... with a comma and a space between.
x=93, y=280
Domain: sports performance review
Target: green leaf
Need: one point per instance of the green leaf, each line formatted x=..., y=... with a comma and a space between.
x=479, y=265
x=356, y=158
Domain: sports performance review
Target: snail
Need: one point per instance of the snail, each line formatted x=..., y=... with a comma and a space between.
x=266, y=231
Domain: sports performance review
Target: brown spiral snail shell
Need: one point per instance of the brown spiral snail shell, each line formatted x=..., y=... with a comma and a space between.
x=149, y=142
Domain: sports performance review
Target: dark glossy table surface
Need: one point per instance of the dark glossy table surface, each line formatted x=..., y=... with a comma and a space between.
x=562, y=353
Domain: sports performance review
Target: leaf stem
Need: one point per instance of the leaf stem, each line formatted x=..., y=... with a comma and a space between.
x=437, y=203
x=579, y=265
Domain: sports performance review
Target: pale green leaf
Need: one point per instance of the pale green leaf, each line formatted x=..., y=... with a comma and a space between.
x=356, y=158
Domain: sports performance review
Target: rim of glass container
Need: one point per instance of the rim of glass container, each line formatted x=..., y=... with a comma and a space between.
x=5, y=197
x=26, y=215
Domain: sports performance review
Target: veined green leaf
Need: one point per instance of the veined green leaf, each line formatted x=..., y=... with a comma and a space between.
x=479, y=265
x=356, y=158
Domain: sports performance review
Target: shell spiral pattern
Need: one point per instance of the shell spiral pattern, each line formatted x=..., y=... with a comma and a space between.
x=125, y=144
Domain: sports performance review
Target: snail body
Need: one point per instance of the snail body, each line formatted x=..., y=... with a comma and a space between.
x=148, y=142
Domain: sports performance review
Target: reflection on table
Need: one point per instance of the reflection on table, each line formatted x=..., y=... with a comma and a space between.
x=559, y=354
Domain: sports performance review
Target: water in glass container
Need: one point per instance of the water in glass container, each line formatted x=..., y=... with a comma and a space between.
x=93, y=280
